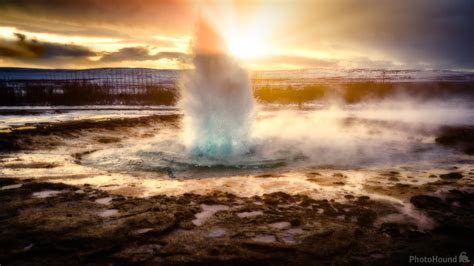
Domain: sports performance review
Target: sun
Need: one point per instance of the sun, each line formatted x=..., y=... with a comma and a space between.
x=245, y=46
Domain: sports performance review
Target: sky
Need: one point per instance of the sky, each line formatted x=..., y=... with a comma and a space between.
x=261, y=34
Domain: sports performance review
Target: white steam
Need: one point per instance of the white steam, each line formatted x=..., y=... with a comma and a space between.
x=383, y=133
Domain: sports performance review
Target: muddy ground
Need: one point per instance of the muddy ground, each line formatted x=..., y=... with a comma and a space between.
x=51, y=223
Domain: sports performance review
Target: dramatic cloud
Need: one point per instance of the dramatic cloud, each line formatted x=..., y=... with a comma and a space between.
x=433, y=32
x=26, y=49
x=163, y=15
x=143, y=54
x=301, y=61
x=34, y=24
x=346, y=33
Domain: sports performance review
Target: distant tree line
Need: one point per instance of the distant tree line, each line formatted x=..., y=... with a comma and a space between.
x=86, y=93
x=353, y=92
x=290, y=94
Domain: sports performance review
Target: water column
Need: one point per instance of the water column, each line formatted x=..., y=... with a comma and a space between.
x=216, y=99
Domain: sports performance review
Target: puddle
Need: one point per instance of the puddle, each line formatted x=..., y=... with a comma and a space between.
x=104, y=201
x=280, y=225
x=217, y=232
x=249, y=214
x=46, y=193
x=142, y=231
x=11, y=187
x=108, y=213
x=264, y=238
x=207, y=212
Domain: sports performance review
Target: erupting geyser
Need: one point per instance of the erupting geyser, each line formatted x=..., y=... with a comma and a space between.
x=216, y=99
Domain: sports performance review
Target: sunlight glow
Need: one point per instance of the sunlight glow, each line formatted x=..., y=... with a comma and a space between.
x=248, y=34
x=7, y=32
x=246, y=46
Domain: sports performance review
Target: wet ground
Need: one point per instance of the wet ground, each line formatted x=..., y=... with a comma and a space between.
x=59, y=208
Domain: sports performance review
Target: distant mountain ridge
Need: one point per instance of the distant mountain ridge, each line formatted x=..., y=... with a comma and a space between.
x=170, y=76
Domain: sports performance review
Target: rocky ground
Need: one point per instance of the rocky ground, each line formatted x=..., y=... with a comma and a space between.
x=48, y=135
x=45, y=222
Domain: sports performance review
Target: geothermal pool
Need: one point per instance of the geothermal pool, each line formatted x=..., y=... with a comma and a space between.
x=286, y=139
x=286, y=145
